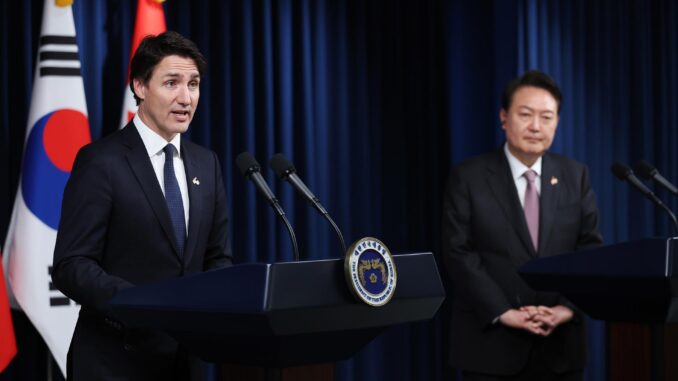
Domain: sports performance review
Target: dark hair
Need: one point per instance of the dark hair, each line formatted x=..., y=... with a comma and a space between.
x=532, y=78
x=154, y=49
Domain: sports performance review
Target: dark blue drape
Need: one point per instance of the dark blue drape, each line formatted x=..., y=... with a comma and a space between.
x=617, y=65
x=373, y=101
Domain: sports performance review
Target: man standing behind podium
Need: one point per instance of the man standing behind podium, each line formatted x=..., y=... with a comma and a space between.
x=501, y=210
x=141, y=205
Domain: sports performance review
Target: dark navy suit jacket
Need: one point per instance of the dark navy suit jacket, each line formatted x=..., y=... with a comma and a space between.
x=485, y=241
x=115, y=232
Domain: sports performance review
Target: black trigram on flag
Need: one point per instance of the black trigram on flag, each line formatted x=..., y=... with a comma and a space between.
x=58, y=55
x=57, y=298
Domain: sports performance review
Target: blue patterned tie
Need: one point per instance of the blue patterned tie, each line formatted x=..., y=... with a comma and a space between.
x=173, y=198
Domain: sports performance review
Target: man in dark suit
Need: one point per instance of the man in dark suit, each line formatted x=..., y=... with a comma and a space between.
x=141, y=205
x=502, y=209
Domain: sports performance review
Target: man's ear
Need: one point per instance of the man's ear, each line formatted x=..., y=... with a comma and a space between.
x=139, y=88
x=502, y=118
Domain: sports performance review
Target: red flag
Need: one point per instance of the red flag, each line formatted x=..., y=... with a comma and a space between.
x=7, y=340
x=150, y=20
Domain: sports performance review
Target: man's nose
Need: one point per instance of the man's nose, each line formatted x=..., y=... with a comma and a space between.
x=184, y=96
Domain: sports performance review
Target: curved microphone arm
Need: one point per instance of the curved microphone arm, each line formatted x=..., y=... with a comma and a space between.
x=250, y=168
x=336, y=229
x=671, y=214
x=293, y=237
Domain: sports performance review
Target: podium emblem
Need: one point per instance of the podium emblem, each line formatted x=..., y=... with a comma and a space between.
x=370, y=271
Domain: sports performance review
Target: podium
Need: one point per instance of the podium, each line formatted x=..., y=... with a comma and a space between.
x=635, y=283
x=279, y=315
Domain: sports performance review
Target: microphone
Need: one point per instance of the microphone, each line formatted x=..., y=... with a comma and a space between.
x=285, y=171
x=649, y=172
x=250, y=168
x=624, y=173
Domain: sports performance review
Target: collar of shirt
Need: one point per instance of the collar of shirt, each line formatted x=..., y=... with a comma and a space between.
x=153, y=142
x=517, y=171
x=518, y=168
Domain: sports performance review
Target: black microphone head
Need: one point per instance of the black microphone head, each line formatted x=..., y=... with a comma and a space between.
x=621, y=171
x=281, y=166
x=247, y=163
x=645, y=169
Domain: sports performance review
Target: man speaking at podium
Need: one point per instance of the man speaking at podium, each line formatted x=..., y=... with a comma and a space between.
x=502, y=209
x=141, y=205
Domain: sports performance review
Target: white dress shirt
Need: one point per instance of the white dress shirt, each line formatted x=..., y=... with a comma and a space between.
x=517, y=171
x=154, y=144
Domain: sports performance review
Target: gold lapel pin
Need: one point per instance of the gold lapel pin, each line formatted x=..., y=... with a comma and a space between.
x=196, y=181
x=554, y=180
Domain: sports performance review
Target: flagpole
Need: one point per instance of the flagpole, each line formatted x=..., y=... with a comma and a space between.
x=49, y=366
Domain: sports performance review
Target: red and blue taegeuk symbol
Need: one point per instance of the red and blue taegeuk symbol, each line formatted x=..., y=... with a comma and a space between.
x=50, y=151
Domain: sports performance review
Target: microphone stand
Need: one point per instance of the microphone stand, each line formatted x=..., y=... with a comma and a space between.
x=336, y=229
x=294, y=238
x=250, y=168
x=281, y=213
x=671, y=214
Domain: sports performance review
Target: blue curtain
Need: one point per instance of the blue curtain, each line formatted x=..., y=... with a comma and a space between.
x=373, y=101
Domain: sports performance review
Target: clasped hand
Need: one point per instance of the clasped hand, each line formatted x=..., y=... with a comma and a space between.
x=538, y=320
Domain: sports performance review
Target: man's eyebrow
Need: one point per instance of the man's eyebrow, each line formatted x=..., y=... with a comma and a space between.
x=177, y=75
x=535, y=110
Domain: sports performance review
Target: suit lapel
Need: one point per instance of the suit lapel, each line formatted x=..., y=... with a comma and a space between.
x=503, y=187
x=143, y=171
x=195, y=192
x=548, y=199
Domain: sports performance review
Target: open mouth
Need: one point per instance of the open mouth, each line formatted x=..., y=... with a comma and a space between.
x=181, y=115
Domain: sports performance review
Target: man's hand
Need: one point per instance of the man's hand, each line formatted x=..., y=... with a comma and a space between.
x=523, y=319
x=551, y=317
x=538, y=320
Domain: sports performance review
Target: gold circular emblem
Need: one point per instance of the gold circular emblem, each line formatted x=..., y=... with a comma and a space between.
x=370, y=271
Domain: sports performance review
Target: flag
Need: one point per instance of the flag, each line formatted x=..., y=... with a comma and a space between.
x=150, y=20
x=7, y=340
x=57, y=128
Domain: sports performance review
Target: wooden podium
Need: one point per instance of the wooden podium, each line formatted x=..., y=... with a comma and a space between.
x=266, y=320
x=634, y=287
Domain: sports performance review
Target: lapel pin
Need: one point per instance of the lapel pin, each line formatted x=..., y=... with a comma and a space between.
x=554, y=180
x=197, y=182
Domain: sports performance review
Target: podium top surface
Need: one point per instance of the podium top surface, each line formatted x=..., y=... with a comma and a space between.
x=279, y=314
x=632, y=281
x=280, y=298
x=652, y=257
x=262, y=287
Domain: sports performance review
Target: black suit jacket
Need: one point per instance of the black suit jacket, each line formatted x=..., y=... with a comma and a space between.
x=115, y=232
x=485, y=241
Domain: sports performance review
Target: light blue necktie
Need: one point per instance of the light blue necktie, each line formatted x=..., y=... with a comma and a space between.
x=173, y=198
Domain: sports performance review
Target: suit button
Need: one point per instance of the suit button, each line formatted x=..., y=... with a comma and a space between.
x=127, y=347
